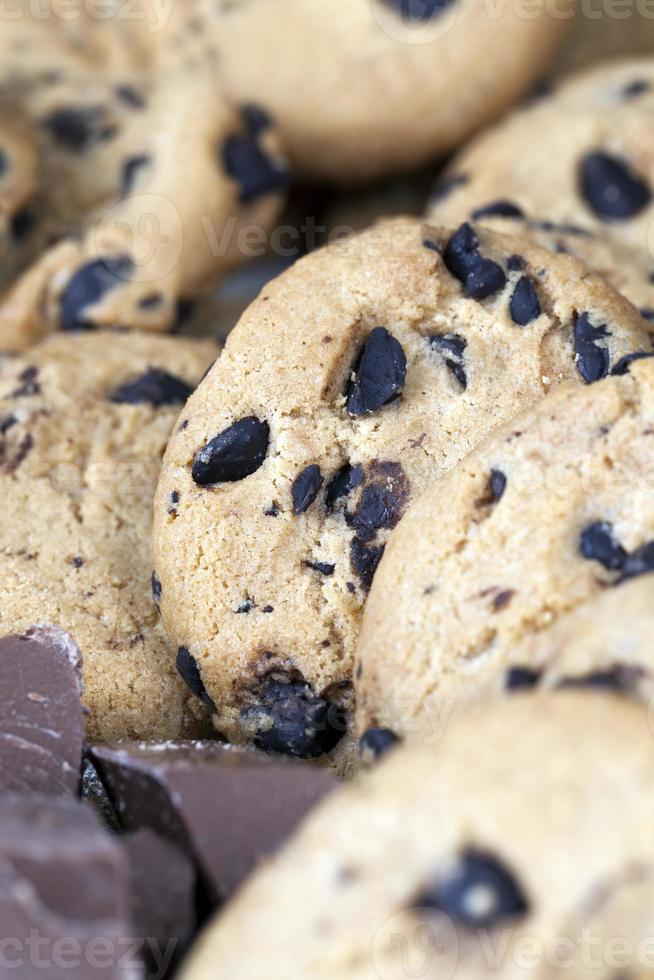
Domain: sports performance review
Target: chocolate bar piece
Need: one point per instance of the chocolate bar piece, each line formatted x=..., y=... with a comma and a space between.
x=63, y=893
x=226, y=807
x=41, y=715
x=161, y=895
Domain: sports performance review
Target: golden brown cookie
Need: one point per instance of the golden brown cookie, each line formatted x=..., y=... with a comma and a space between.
x=362, y=372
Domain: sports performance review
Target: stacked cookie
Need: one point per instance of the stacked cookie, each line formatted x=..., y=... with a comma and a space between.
x=403, y=521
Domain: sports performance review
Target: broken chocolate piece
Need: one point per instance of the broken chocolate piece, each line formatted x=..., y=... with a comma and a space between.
x=226, y=807
x=41, y=715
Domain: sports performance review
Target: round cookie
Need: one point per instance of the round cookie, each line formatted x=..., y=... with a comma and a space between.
x=158, y=227
x=495, y=853
x=550, y=512
x=355, y=377
x=382, y=85
x=84, y=423
x=582, y=156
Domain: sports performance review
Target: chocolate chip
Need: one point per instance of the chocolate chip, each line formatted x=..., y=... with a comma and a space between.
x=477, y=873
x=288, y=718
x=189, y=671
x=130, y=172
x=497, y=484
x=592, y=359
x=247, y=162
x=619, y=678
x=516, y=263
x=480, y=277
x=256, y=119
x=305, y=488
x=365, y=560
x=521, y=678
x=155, y=585
x=639, y=562
x=75, y=128
x=444, y=187
x=320, y=566
x=29, y=383
x=381, y=506
x=153, y=387
x=234, y=454
x=497, y=209
x=419, y=11
x=452, y=347
x=633, y=89
x=524, y=306
x=623, y=365
x=88, y=286
x=432, y=246
x=342, y=484
x=647, y=313
x=379, y=375
x=598, y=543
x=502, y=599
x=612, y=190
x=272, y=511
x=375, y=743
x=130, y=97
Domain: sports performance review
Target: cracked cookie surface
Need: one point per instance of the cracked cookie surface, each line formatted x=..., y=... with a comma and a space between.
x=358, y=375
x=477, y=575
x=405, y=869
x=84, y=422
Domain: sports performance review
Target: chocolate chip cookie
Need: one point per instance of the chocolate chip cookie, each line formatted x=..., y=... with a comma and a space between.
x=386, y=85
x=146, y=229
x=581, y=156
x=83, y=425
x=554, y=510
x=494, y=853
x=362, y=372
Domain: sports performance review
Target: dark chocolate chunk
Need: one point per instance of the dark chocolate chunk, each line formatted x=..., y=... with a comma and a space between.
x=161, y=894
x=633, y=89
x=622, y=678
x=63, y=893
x=321, y=566
x=521, y=678
x=92, y=791
x=247, y=161
x=130, y=173
x=226, y=807
x=598, y=543
x=187, y=667
x=342, y=484
x=480, y=277
x=306, y=487
x=419, y=11
x=379, y=375
x=75, y=128
x=88, y=286
x=623, y=365
x=497, y=209
x=41, y=715
x=452, y=347
x=23, y=222
x=289, y=718
x=477, y=871
x=497, y=484
x=153, y=387
x=29, y=384
x=234, y=454
x=516, y=263
x=524, y=306
x=592, y=358
x=365, y=560
x=382, y=501
x=639, y=562
x=375, y=743
x=612, y=190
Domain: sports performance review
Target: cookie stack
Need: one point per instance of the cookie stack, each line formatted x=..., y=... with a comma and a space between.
x=398, y=533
